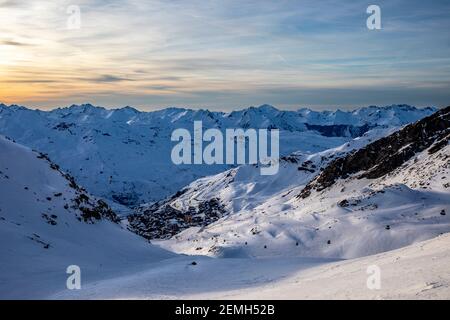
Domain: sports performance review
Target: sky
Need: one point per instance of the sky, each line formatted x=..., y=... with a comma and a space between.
x=224, y=54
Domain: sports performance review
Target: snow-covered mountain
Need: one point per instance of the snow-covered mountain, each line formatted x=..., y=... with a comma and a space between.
x=123, y=155
x=356, y=200
x=380, y=191
x=48, y=222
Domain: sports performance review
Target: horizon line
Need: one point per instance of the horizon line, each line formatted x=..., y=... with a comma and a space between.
x=240, y=108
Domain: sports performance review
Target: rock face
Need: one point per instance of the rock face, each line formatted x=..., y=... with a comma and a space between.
x=162, y=221
x=386, y=154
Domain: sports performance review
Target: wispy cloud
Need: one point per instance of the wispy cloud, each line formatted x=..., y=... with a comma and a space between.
x=108, y=78
x=13, y=43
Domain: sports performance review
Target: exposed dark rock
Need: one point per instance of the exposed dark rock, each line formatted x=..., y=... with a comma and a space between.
x=97, y=211
x=306, y=169
x=344, y=203
x=50, y=219
x=64, y=126
x=290, y=159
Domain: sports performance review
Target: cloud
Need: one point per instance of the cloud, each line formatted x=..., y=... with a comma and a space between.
x=109, y=78
x=198, y=52
x=31, y=81
x=10, y=3
x=13, y=43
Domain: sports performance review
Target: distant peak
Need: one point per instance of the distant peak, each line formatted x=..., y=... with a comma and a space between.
x=401, y=106
x=128, y=108
x=176, y=109
x=85, y=107
x=261, y=108
x=267, y=107
x=12, y=106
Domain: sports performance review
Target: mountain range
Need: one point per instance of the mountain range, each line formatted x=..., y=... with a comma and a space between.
x=356, y=188
x=123, y=155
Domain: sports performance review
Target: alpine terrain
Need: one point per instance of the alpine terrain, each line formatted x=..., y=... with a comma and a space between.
x=356, y=189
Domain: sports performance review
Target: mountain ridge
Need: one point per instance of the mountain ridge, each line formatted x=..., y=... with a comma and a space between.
x=123, y=155
x=262, y=108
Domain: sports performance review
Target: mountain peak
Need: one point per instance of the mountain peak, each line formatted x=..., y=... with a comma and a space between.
x=267, y=108
x=128, y=109
x=83, y=107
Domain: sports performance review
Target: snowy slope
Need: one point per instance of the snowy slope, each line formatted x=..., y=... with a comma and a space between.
x=124, y=155
x=47, y=223
x=398, y=195
x=419, y=271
